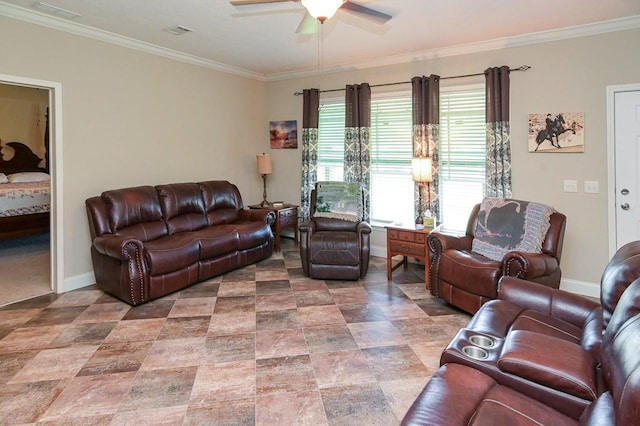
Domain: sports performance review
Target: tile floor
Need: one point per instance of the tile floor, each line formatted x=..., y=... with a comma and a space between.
x=261, y=345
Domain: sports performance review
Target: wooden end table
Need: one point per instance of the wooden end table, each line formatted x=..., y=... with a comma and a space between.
x=286, y=217
x=408, y=242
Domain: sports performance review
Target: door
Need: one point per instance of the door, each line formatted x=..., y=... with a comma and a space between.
x=627, y=166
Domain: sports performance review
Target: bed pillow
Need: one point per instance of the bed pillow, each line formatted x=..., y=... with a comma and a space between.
x=28, y=177
x=3, y=178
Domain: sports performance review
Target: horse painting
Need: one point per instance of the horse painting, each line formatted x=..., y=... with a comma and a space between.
x=554, y=128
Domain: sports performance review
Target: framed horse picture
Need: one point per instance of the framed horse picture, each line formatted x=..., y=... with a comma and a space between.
x=556, y=132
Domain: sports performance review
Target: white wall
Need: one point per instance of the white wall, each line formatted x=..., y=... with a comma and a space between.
x=567, y=75
x=131, y=118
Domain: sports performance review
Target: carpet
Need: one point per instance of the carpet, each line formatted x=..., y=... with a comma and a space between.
x=25, y=268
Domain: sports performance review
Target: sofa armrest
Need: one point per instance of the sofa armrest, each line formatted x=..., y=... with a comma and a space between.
x=551, y=362
x=258, y=215
x=528, y=265
x=306, y=229
x=560, y=304
x=117, y=246
x=363, y=228
x=439, y=242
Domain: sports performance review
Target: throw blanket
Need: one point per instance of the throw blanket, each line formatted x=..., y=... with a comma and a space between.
x=338, y=200
x=505, y=225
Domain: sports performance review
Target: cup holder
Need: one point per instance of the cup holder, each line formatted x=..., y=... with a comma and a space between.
x=482, y=341
x=475, y=352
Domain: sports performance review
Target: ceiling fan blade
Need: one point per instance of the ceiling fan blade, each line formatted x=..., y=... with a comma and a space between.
x=368, y=12
x=308, y=25
x=248, y=2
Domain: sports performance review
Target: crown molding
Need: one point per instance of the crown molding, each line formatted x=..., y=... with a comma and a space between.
x=627, y=23
x=38, y=18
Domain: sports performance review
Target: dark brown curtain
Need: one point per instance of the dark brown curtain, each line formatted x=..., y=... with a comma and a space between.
x=310, y=118
x=357, y=159
x=426, y=140
x=498, y=167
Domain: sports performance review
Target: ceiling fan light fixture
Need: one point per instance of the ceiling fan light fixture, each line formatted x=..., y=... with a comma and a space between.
x=322, y=9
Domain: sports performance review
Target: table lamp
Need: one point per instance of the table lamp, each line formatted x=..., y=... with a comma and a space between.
x=264, y=168
x=421, y=173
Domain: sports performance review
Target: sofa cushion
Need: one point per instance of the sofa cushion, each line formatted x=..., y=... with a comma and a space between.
x=217, y=241
x=222, y=201
x=621, y=271
x=534, y=321
x=335, y=248
x=460, y=395
x=182, y=207
x=568, y=367
x=171, y=253
x=135, y=212
x=252, y=234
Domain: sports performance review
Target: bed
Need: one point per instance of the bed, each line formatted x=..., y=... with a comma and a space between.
x=25, y=193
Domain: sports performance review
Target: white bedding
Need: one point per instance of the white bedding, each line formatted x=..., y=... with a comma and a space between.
x=24, y=198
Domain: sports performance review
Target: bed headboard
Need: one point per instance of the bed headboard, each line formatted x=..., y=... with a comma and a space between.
x=24, y=160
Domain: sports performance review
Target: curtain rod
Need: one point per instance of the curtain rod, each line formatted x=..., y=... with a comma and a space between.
x=520, y=68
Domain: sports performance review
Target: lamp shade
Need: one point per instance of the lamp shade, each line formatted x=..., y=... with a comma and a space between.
x=421, y=169
x=264, y=164
x=322, y=9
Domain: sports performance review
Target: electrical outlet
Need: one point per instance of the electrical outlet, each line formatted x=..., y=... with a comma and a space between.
x=570, y=185
x=591, y=187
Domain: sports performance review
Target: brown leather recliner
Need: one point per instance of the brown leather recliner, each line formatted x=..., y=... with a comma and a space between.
x=467, y=280
x=539, y=375
x=333, y=248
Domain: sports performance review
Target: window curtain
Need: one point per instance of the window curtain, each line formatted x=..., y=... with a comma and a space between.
x=357, y=158
x=498, y=173
x=425, y=94
x=310, y=118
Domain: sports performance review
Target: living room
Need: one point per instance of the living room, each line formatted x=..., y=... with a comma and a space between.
x=129, y=117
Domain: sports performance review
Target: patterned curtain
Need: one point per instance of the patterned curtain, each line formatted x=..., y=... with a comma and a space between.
x=426, y=139
x=310, y=118
x=498, y=173
x=356, y=142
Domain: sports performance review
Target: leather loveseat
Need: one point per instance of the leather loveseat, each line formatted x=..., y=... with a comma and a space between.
x=149, y=241
x=539, y=356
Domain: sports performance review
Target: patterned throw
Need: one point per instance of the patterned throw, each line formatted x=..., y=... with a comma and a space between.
x=505, y=225
x=338, y=200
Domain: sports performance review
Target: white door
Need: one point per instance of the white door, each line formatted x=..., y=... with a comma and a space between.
x=627, y=166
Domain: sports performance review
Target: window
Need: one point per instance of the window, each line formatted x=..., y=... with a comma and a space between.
x=462, y=153
x=391, y=150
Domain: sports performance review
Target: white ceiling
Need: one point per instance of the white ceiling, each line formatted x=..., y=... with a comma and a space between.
x=260, y=40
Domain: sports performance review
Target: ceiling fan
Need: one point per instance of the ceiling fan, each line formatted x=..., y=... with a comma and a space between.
x=321, y=10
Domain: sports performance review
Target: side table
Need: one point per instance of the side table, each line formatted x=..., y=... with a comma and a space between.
x=408, y=242
x=286, y=217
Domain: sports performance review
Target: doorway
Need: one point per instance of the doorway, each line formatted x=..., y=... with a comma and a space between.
x=623, y=106
x=56, y=252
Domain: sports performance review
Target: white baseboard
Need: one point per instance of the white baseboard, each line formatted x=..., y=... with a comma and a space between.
x=76, y=282
x=583, y=288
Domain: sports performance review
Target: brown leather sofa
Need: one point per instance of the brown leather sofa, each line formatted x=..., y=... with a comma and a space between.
x=467, y=280
x=151, y=241
x=538, y=356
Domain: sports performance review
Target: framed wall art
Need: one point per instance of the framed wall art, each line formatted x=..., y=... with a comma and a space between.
x=556, y=132
x=283, y=134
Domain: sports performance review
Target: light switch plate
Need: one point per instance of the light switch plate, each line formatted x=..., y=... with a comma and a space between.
x=570, y=185
x=591, y=187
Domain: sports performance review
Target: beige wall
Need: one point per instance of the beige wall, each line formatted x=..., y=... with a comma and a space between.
x=23, y=116
x=131, y=118
x=568, y=75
